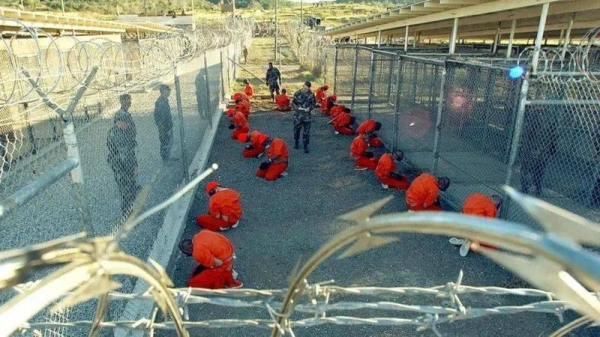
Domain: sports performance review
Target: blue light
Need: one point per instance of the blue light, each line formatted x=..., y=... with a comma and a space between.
x=516, y=72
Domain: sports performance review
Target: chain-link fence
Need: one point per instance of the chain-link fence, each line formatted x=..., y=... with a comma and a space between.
x=459, y=117
x=139, y=123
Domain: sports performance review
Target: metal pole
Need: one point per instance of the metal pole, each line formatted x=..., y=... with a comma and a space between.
x=518, y=130
x=301, y=11
x=335, y=66
x=397, y=103
x=406, y=39
x=538, y=39
x=379, y=39
x=371, y=82
x=496, y=37
x=144, y=4
x=276, y=27
x=62, y=6
x=181, y=127
x=354, y=78
x=40, y=184
x=415, y=41
x=511, y=38
x=222, y=75
x=453, y=37
x=567, y=37
x=438, y=125
x=208, y=110
x=389, y=86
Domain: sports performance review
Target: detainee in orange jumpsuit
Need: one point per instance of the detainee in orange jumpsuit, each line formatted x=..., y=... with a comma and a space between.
x=369, y=127
x=248, y=89
x=478, y=204
x=277, y=153
x=243, y=106
x=320, y=94
x=215, y=255
x=386, y=171
x=364, y=159
x=328, y=103
x=239, y=123
x=283, y=101
x=336, y=110
x=240, y=95
x=423, y=192
x=224, y=208
x=342, y=123
x=255, y=149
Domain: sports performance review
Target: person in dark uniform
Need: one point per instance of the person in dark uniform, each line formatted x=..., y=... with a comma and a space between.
x=273, y=80
x=164, y=122
x=303, y=103
x=122, y=159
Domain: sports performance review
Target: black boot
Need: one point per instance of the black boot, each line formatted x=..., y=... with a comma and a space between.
x=306, y=148
x=296, y=145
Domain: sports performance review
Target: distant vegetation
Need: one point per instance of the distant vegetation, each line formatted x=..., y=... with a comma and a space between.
x=113, y=7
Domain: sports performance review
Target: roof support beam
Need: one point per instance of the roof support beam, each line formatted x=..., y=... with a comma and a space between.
x=406, y=40
x=453, y=37
x=538, y=39
x=511, y=38
x=567, y=37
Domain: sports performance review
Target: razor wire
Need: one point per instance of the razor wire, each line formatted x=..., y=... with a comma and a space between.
x=310, y=48
x=581, y=59
x=313, y=304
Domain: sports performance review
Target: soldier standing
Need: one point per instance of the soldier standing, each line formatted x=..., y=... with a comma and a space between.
x=303, y=103
x=273, y=80
x=164, y=122
x=121, y=154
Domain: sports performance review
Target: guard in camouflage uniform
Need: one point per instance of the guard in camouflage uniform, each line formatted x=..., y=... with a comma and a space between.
x=303, y=103
x=121, y=155
x=164, y=122
x=273, y=80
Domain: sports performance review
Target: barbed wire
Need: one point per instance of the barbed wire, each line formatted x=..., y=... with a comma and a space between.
x=59, y=63
x=562, y=63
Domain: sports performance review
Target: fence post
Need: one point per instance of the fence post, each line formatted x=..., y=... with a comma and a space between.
x=335, y=66
x=208, y=112
x=371, y=81
x=354, y=78
x=415, y=79
x=438, y=123
x=222, y=75
x=397, y=102
x=389, y=86
x=514, y=149
x=181, y=121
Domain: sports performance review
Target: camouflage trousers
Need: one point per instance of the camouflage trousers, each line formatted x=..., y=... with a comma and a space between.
x=166, y=143
x=304, y=125
x=128, y=189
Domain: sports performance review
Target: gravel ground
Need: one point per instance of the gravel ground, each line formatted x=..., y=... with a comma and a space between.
x=291, y=218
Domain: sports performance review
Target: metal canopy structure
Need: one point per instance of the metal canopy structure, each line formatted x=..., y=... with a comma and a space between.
x=476, y=19
x=12, y=19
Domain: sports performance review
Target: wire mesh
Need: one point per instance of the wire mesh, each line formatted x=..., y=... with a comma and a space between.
x=121, y=148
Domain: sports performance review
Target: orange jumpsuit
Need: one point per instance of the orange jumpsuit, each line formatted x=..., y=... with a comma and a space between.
x=480, y=205
x=241, y=124
x=244, y=108
x=368, y=127
x=320, y=95
x=278, y=154
x=223, y=204
x=342, y=124
x=283, y=103
x=249, y=91
x=240, y=95
x=328, y=104
x=207, y=246
x=255, y=148
x=423, y=193
x=358, y=150
x=336, y=110
x=387, y=166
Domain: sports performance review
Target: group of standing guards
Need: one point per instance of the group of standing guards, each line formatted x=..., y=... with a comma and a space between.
x=212, y=250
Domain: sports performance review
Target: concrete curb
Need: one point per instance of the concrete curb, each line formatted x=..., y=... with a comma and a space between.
x=170, y=233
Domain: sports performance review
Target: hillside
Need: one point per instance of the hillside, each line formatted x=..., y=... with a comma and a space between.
x=332, y=14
